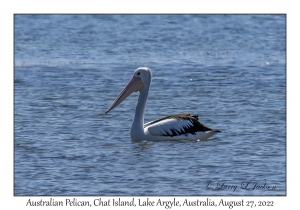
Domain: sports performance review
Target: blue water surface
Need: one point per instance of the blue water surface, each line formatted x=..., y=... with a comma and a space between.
x=228, y=69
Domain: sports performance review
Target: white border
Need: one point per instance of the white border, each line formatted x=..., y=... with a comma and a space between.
x=7, y=9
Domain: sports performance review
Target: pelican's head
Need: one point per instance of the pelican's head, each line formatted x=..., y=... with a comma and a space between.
x=141, y=78
x=144, y=74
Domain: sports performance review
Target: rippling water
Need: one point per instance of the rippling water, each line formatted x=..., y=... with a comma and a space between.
x=228, y=69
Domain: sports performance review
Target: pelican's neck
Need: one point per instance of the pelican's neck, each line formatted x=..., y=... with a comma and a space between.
x=137, y=129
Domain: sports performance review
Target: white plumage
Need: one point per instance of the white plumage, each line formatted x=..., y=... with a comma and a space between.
x=169, y=126
x=173, y=127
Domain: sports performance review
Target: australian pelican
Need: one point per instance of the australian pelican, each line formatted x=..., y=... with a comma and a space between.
x=173, y=127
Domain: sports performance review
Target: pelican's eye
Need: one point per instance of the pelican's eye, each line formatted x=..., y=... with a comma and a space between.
x=138, y=73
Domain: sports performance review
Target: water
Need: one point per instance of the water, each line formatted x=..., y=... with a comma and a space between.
x=228, y=69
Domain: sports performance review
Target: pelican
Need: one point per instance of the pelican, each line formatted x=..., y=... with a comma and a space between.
x=173, y=127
